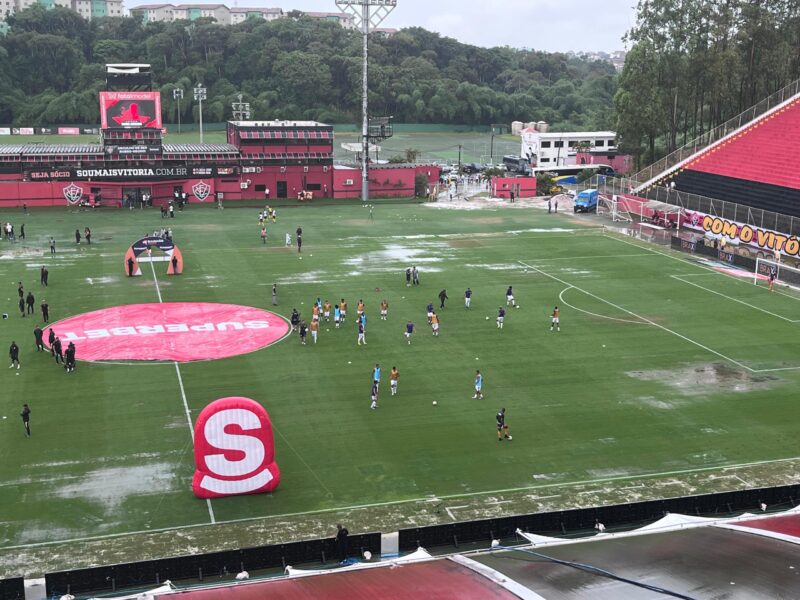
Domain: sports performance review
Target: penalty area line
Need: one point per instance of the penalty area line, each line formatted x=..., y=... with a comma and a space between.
x=753, y=306
x=417, y=500
x=186, y=410
x=645, y=319
x=591, y=314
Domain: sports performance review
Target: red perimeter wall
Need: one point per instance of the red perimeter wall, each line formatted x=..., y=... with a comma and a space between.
x=384, y=182
x=524, y=187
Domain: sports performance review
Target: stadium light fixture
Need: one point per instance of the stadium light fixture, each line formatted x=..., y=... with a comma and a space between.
x=367, y=14
x=241, y=110
x=200, y=94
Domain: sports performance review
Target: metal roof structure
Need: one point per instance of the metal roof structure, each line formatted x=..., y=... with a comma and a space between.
x=200, y=149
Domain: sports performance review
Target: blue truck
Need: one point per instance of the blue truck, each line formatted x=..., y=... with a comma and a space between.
x=586, y=201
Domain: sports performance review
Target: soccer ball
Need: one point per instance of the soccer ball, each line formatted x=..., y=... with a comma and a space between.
x=435, y=403
x=487, y=318
x=511, y=437
x=517, y=305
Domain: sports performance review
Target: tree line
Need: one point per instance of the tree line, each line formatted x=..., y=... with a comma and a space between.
x=693, y=64
x=52, y=66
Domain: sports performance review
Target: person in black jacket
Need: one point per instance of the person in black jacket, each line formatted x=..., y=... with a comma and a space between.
x=69, y=362
x=26, y=419
x=57, y=350
x=442, y=298
x=341, y=542
x=13, y=353
x=38, y=334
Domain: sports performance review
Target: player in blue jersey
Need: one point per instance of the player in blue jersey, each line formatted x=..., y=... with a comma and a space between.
x=409, y=331
x=376, y=374
x=501, y=317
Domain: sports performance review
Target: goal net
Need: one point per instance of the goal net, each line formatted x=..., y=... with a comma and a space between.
x=611, y=207
x=784, y=274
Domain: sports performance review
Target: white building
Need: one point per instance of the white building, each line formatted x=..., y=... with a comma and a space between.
x=346, y=20
x=239, y=15
x=546, y=149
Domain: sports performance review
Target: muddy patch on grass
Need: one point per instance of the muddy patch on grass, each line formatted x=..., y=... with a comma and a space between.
x=464, y=243
x=20, y=252
x=711, y=378
x=110, y=487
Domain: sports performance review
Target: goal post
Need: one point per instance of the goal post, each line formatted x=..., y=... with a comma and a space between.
x=610, y=206
x=784, y=274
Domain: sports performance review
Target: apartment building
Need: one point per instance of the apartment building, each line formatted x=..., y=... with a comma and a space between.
x=88, y=9
x=150, y=13
x=241, y=14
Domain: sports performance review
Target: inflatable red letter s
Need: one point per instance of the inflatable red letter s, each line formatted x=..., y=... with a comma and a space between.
x=234, y=450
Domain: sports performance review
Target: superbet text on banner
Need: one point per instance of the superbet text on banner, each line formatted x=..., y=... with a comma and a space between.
x=234, y=450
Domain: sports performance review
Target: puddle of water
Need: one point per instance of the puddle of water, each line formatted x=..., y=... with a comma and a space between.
x=696, y=380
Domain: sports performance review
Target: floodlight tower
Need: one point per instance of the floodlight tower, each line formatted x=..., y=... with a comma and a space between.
x=200, y=94
x=241, y=110
x=368, y=14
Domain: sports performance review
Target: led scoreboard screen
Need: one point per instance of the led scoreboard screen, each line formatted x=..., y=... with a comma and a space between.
x=130, y=109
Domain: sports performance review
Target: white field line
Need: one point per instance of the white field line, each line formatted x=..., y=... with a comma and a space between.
x=594, y=256
x=710, y=291
x=417, y=500
x=186, y=410
x=302, y=460
x=599, y=316
x=645, y=319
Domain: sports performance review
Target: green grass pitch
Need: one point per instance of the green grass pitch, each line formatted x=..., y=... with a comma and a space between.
x=662, y=366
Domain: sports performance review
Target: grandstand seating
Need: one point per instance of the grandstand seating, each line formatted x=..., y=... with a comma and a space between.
x=753, y=167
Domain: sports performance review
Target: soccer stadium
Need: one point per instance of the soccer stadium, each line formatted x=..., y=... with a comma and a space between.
x=222, y=351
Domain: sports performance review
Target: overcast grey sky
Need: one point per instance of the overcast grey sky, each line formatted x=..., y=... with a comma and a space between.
x=551, y=25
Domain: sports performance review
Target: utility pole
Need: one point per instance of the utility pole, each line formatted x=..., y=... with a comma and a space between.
x=177, y=95
x=200, y=94
x=364, y=18
x=491, y=150
x=459, y=159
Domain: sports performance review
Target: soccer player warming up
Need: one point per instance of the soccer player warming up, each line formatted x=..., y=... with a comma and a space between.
x=393, y=377
x=326, y=311
x=478, y=386
x=435, y=324
x=361, y=335
x=772, y=274
x=510, y=297
x=384, y=310
x=467, y=298
x=501, y=317
x=374, y=396
x=409, y=331
x=502, y=428
x=555, y=323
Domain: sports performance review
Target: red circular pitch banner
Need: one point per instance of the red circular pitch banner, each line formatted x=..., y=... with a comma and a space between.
x=178, y=331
